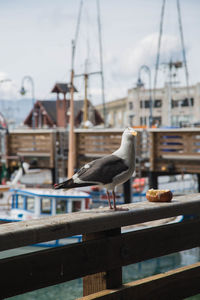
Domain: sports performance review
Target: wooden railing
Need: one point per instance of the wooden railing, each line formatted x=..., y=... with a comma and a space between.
x=38, y=144
x=169, y=150
x=175, y=150
x=103, y=252
x=92, y=144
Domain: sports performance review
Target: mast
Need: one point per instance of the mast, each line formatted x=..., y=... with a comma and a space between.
x=172, y=64
x=101, y=62
x=159, y=45
x=71, y=152
x=85, y=113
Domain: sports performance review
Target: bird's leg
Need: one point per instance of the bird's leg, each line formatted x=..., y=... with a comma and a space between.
x=108, y=195
x=114, y=204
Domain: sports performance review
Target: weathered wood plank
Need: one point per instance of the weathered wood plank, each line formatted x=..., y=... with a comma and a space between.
x=168, y=140
x=103, y=280
x=54, y=227
x=48, y=267
x=176, y=284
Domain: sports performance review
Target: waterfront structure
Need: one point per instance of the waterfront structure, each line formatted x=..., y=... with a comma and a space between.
x=115, y=112
x=185, y=106
x=55, y=113
x=134, y=110
x=104, y=252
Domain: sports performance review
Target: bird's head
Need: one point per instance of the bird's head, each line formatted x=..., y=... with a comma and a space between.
x=129, y=131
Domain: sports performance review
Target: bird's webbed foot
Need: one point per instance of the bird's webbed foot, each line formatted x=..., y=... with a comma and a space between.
x=120, y=209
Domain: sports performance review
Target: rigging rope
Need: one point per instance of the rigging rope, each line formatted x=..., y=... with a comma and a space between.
x=74, y=42
x=183, y=51
x=159, y=45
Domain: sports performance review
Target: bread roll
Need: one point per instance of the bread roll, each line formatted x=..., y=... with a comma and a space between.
x=159, y=195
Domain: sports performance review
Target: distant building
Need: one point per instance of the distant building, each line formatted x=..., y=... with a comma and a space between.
x=134, y=110
x=55, y=113
x=183, y=110
x=115, y=112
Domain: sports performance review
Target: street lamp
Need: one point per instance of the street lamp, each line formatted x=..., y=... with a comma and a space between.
x=23, y=92
x=141, y=84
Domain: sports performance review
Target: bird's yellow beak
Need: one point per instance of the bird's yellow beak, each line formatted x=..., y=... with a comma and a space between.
x=134, y=132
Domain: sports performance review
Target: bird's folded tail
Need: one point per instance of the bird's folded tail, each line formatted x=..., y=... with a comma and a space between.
x=70, y=184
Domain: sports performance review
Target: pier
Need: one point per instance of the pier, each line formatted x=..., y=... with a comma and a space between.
x=104, y=249
x=158, y=151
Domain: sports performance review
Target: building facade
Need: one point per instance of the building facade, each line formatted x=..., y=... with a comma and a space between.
x=115, y=112
x=183, y=109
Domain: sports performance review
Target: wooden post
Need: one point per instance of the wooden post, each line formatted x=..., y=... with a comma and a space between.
x=153, y=180
x=53, y=177
x=127, y=187
x=198, y=180
x=103, y=280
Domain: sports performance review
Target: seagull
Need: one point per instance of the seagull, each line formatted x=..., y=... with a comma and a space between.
x=108, y=171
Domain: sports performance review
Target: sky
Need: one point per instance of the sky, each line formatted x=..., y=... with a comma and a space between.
x=36, y=38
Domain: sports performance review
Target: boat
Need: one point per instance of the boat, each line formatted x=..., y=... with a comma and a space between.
x=34, y=203
x=139, y=183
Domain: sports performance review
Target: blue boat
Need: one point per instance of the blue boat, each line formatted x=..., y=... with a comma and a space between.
x=34, y=203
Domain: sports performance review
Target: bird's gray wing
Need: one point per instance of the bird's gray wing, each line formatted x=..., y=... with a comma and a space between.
x=102, y=170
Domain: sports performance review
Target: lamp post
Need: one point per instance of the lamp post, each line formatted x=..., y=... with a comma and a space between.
x=141, y=84
x=23, y=92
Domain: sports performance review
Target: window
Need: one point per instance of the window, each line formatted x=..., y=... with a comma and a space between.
x=179, y=120
x=130, y=105
x=30, y=204
x=158, y=103
x=144, y=104
x=76, y=205
x=183, y=102
x=143, y=121
x=131, y=120
x=61, y=206
x=45, y=206
x=187, y=102
x=114, y=118
x=20, y=199
x=157, y=121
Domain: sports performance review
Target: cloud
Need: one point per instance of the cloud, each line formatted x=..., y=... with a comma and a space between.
x=144, y=53
x=8, y=88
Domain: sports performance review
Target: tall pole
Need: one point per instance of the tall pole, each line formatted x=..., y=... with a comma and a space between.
x=85, y=114
x=71, y=151
x=101, y=63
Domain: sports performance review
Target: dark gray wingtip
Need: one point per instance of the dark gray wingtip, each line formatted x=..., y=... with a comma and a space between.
x=58, y=186
x=64, y=185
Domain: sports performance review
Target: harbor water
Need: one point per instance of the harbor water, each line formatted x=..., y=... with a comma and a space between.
x=73, y=289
